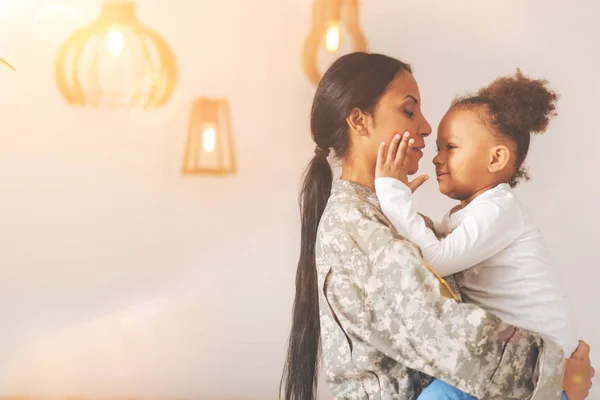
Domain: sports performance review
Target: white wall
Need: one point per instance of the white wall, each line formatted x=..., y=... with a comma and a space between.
x=120, y=277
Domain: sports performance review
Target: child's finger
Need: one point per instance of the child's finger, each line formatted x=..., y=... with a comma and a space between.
x=391, y=156
x=401, y=152
x=411, y=142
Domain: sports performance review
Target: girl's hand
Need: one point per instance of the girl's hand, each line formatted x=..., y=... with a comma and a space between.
x=393, y=164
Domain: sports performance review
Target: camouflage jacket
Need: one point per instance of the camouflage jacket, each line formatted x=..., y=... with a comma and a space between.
x=386, y=329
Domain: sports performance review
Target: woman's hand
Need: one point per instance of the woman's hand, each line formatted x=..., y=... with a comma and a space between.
x=393, y=164
x=579, y=372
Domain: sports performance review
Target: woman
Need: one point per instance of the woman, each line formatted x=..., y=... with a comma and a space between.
x=387, y=327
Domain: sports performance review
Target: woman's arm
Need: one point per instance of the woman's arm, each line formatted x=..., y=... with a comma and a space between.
x=403, y=315
x=488, y=228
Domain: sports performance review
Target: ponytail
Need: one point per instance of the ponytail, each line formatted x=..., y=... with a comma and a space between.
x=300, y=373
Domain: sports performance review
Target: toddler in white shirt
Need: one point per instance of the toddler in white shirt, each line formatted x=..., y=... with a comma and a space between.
x=490, y=238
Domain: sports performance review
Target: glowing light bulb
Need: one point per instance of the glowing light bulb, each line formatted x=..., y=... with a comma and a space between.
x=329, y=16
x=332, y=38
x=115, y=42
x=209, y=138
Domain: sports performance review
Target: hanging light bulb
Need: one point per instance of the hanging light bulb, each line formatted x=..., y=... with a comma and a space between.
x=328, y=17
x=116, y=61
x=209, y=136
x=209, y=146
x=332, y=38
x=115, y=40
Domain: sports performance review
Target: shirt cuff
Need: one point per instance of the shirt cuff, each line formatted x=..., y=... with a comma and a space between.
x=549, y=372
x=386, y=184
x=541, y=376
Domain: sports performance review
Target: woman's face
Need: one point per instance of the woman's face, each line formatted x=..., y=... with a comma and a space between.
x=399, y=111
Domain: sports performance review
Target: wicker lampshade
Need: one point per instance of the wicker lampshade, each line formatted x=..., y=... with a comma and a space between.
x=116, y=61
x=328, y=18
x=209, y=146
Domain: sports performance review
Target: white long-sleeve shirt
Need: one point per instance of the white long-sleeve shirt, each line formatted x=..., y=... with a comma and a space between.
x=503, y=263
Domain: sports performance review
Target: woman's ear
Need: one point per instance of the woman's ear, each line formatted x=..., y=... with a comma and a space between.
x=358, y=122
x=500, y=157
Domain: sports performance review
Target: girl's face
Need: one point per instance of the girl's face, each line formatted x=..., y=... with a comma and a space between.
x=398, y=111
x=467, y=155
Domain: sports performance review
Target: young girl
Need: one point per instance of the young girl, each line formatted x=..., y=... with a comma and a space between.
x=489, y=238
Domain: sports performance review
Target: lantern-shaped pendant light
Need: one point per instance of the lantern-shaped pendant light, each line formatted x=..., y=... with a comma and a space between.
x=209, y=146
x=329, y=17
x=116, y=61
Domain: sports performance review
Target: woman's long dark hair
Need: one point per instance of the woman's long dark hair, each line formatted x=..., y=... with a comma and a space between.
x=356, y=80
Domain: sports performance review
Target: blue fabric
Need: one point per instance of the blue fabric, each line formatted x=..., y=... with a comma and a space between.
x=439, y=390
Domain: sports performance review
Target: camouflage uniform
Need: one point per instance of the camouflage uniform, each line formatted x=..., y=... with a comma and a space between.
x=386, y=329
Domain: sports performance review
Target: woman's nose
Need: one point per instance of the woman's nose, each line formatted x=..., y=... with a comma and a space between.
x=425, y=128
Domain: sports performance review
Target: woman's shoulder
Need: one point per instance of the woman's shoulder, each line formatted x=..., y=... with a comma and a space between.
x=353, y=223
x=352, y=207
x=351, y=218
